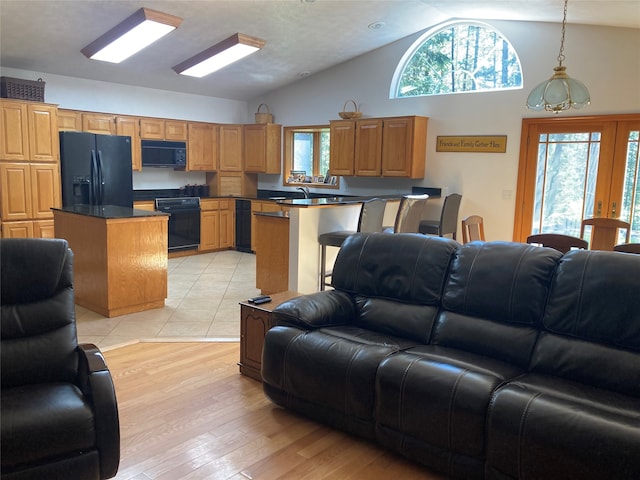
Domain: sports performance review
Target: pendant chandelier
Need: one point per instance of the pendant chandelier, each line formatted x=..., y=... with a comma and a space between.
x=560, y=92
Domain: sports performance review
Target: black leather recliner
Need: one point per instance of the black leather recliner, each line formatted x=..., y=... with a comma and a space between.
x=59, y=417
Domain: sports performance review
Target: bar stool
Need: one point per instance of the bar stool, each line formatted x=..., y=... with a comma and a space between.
x=409, y=214
x=448, y=222
x=370, y=220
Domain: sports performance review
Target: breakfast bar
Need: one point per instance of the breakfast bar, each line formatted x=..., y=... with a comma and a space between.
x=120, y=256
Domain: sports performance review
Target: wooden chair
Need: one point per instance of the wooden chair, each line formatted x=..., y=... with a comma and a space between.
x=472, y=229
x=627, y=247
x=448, y=222
x=562, y=243
x=604, y=232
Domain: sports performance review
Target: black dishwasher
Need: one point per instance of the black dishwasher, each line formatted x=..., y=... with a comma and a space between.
x=243, y=225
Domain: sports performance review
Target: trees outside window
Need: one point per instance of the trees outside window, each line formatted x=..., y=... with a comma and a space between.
x=461, y=57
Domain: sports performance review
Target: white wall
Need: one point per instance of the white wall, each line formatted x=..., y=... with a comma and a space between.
x=607, y=60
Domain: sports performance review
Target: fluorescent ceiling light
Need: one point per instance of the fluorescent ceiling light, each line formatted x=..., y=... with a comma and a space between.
x=132, y=35
x=220, y=55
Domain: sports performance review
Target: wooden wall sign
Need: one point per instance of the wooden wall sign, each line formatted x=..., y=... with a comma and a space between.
x=472, y=143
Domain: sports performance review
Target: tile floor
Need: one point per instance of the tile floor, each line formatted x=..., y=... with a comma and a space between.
x=202, y=303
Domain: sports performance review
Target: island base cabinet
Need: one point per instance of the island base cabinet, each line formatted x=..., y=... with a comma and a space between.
x=272, y=253
x=120, y=265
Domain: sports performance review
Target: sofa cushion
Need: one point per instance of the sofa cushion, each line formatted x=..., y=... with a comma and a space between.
x=329, y=373
x=410, y=268
x=543, y=427
x=432, y=403
x=494, y=299
x=593, y=322
x=45, y=421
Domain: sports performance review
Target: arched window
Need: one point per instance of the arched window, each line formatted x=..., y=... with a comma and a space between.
x=459, y=57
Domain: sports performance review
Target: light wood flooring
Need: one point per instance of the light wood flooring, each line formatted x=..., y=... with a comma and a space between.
x=186, y=413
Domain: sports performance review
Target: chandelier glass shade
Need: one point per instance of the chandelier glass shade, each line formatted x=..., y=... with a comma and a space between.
x=560, y=92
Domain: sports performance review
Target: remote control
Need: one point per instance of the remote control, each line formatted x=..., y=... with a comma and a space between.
x=258, y=298
x=262, y=300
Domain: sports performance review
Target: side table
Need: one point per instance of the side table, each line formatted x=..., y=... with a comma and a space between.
x=255, y=321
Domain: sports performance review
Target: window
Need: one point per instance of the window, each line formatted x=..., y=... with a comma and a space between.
x=306, y=155
x=461, y=57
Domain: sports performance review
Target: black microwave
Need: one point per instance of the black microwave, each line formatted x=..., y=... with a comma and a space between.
x=160, y=153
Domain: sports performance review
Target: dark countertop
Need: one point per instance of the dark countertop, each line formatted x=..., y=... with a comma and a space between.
x=314, y=202
x=272, y=214
x=109, y=211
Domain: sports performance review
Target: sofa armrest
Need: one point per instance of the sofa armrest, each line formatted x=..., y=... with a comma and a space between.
x=96, y=383
x=316, y=310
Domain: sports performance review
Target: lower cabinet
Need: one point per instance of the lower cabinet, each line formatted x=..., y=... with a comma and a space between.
x=216, y=224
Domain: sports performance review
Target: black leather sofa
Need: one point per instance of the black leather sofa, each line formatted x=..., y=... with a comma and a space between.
x=59, y=416
x=486, y=360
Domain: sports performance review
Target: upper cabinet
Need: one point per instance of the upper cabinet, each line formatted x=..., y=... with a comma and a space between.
x=69, y=120
x=130, y=127
x=404, y=147
x=159, y=129
x=368, y=148
x=342, y=147
x=202, y=146
x=100, y=123
x=231, y=148
x=380, y=147
x=29, y=131
x=262, y=148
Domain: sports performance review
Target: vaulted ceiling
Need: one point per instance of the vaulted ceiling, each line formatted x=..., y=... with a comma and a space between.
x=302, y=37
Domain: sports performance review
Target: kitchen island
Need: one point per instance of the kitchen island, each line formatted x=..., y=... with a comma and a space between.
x=120, y=256
x=305, y=221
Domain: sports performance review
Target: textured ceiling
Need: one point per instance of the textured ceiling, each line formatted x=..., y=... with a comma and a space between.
x=301, y=35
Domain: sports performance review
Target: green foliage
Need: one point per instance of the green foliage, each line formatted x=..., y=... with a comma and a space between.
x=460, y=58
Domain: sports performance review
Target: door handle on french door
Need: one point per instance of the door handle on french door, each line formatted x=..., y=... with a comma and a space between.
x=613, y=210
x=599, y=212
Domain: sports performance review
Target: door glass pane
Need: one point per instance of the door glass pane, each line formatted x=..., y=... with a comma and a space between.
x=565, y=181
x=631, y=189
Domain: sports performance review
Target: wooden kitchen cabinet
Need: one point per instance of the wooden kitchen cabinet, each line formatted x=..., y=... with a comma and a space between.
x=160, y=129
x=69, y=120
x=28, y=131
x=22, y=229
x=43, y=229
x=262, y=148
x=202, y=147
x=29, y=191
x=130, y=126
x=404, y=147
x=342, y=147
x=227, y=223
x=255, y=322
x=100, y=123
x=231, y=148
x=387, y=147
x=368, y=148
x=14, y=129
x=149, y=205
x=216, y=224
x=44, y=142
x=261, y=206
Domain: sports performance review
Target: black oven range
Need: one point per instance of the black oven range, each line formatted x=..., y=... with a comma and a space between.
x=184, y=221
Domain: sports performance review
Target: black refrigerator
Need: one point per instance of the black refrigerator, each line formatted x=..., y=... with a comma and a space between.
x=96, y=169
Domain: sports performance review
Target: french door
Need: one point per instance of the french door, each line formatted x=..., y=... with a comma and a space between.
x=578, y=167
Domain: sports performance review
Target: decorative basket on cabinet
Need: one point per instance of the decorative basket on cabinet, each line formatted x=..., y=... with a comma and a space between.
x=264, y=117
x=350, y=115
x=22, y=89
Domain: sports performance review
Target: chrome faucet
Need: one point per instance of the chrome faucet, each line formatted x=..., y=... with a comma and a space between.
x=305, y=191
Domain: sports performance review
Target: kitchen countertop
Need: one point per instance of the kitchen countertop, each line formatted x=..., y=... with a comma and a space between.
x=108, y=211
x=313, y=202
